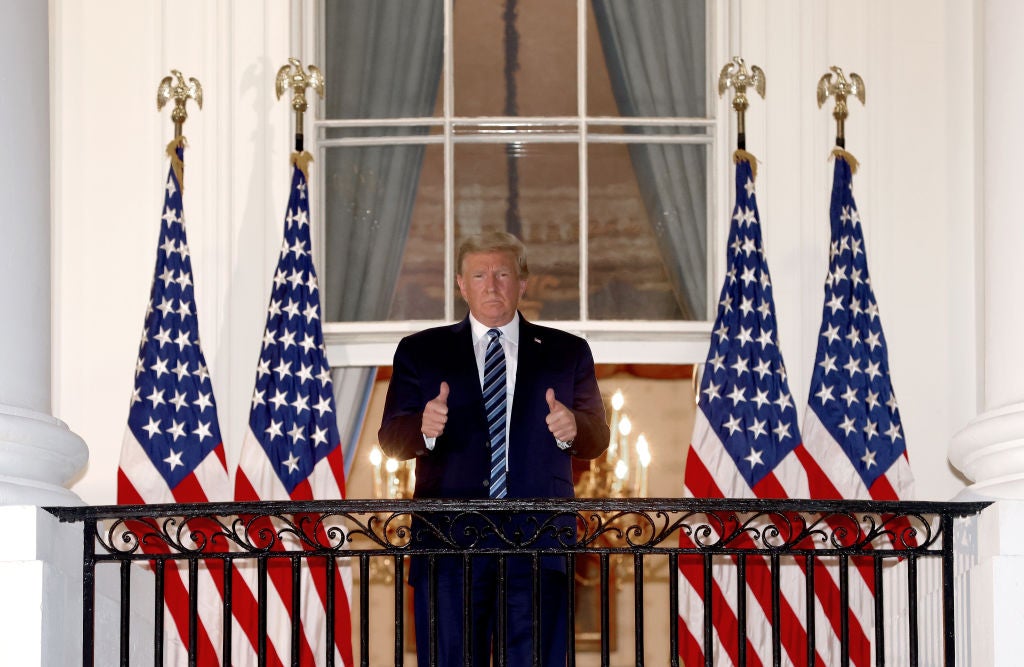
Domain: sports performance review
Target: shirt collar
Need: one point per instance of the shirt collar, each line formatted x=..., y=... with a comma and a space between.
x=509, y=332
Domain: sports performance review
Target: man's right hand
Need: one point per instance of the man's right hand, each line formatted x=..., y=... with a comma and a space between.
x=435, y=413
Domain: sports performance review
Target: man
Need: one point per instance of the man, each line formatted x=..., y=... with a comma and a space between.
x=492, y=407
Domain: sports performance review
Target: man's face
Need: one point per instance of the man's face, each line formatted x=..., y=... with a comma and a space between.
x=490, y=284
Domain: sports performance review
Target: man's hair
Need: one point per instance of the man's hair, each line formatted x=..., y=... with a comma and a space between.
x=494, y=242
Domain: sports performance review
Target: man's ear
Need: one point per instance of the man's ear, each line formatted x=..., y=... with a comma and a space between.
x=462, y=290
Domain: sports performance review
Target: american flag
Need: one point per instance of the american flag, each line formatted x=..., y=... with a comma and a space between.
x=172, y=450
x=292, y=450
x=746, y=444
x=852, y=424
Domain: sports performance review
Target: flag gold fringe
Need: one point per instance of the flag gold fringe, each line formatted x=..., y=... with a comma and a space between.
x=176, y=163
x=850, y=160
x=302, y=160
x=743, y=156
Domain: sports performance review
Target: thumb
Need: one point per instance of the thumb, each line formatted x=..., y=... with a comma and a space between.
x=443, y=394
x=550, y=397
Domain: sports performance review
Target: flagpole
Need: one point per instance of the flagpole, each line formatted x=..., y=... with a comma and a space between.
x=734, y=75
x=293, y=76
x=835, y=84
x=174, y=87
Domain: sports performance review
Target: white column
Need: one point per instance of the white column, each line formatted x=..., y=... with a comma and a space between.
x=990, y=449
x=38, y=453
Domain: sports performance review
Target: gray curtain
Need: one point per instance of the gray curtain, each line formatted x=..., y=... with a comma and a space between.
x=383, y=59
x=654, y=51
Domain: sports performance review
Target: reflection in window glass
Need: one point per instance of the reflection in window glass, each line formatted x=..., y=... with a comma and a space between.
x=653, y=58
x=382, y=58
x=382, y=241
x=515, y=58
x=541, y=206
x=648, y=232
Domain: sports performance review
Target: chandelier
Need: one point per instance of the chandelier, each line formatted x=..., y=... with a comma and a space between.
x=621, y=471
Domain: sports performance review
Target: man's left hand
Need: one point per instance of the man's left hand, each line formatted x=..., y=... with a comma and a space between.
x=561, y=421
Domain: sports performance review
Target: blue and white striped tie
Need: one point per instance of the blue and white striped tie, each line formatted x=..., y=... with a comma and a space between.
x=494, y=403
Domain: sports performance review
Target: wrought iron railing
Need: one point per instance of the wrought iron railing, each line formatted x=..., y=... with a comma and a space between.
x=605, y=545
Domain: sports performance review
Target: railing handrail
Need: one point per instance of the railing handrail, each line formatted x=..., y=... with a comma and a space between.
x=70, y=514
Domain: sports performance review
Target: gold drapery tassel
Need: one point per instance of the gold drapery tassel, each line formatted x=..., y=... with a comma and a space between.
x=302, y=160
x=176, y=164
x=846, y=155
x=743, y=156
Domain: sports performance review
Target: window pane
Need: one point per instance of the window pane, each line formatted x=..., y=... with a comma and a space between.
x=515, y=58
x=646, y=58
x=647, y=231
x=384, y=239
x=532, y=191
x=382, y=58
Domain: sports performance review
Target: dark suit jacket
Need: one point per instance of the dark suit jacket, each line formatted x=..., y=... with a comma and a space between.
x=459, y=464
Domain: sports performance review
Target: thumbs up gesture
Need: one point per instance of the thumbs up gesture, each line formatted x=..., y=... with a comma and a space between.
x=561, y=421
x=435, y=413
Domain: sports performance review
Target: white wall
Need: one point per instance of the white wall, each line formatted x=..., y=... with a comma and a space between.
x=916, y=192
x=915, y=139
x=110, y=167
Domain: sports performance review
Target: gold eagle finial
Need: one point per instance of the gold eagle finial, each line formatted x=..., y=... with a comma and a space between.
x=835, y=84
x=734, y=75
x=295, y=77
x=174, y=87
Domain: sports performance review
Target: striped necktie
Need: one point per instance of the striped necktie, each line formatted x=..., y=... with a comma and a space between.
x=495, y=398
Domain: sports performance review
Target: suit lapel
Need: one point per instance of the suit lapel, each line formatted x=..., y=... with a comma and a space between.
x=530, y=343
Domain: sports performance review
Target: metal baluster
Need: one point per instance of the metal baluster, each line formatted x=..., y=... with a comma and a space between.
x=126, y=611
x=570, y=575
x=741, y=609
x=158, y=612
x=776, y=612
x=399, y=609
x=673, y=608
x=226, y=610
x=535, y=608
x=912, y=607
x=708, y=634
x=261, y=613
x=844, y=610
x=467, y=610
x=638, y=606
x=296, y=567
x=810, y=563
x=879, y=612
x=605, y=617
x=193, y=612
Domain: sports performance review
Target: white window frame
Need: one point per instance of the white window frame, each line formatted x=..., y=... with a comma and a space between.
x=352, y=344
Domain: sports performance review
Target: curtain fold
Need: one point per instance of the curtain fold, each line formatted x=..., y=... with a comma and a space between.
x=655, y=54
x=383, y=59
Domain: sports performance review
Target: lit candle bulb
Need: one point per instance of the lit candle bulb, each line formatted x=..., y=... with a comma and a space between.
x=375, y=460
x=625, y=426
x=643, y=453
x=618, y=400
x=643, y=450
